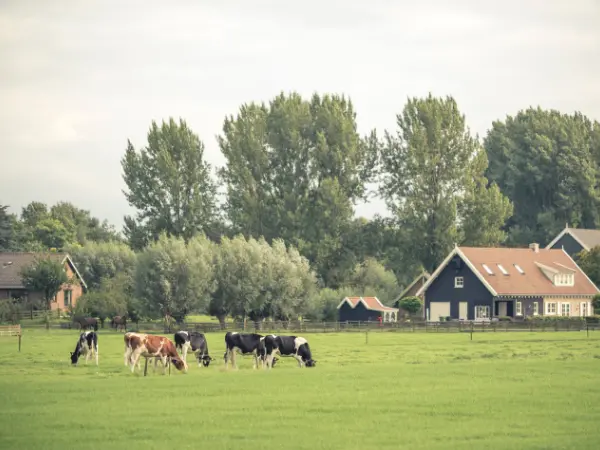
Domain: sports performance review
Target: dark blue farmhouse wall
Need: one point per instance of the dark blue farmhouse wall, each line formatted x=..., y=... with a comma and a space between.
x=355, y=314
x=571, y=246
x=474, y=292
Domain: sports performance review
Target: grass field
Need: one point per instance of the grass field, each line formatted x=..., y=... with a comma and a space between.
x=413, y=391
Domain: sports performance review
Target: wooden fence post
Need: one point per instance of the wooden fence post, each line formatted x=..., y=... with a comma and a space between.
x=471, y=330
x=19, y=342
x=367, y=336
x=146, y=367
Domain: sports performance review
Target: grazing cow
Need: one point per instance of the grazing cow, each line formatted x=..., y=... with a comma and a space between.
x=241, y=343
x=262, y=351
x=87, y=345
x=185, y=340
x=150, y=346
x=295, y=346
x=119, y=322
x=86, y=323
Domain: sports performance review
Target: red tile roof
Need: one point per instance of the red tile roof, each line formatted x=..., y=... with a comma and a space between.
x=372, y=303
x=533, y=281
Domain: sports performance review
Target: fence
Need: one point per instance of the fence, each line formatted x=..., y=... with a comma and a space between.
x=574, y=324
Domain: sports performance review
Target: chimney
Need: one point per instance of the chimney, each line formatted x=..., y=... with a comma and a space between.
x=535, y=247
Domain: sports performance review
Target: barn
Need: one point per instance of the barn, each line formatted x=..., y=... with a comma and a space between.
x=363, y=309
x=477, y=283
x=574, y=240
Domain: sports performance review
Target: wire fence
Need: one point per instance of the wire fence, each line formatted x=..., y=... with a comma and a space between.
x=281, y=327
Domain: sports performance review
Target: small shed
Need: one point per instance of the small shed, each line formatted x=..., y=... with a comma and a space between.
x=365, y=309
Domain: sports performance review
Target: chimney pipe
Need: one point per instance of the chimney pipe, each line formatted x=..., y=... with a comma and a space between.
x=535, y=247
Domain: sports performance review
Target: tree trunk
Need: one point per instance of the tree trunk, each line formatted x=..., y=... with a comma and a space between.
x=221, y=319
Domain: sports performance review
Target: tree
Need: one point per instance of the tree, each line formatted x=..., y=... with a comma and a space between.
x=172, y=278
x=596, y=303
x=412, y=305
x=294, y=169
x=7, y=229
x=433, y=181
x=45, y=275
x=82, y=225
x=170, y=185
x=97, y=261
x=547, y=163
x=51, y=233
x=111, y=299
x=370, y=278
x=589, y=262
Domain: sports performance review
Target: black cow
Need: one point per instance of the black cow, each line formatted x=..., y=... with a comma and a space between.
x=185, y=340
x=295, y=346
x=119, y=322
x=241, y=343
x=86, y=345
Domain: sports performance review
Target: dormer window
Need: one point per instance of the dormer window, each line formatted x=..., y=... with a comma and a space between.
x=564, y=279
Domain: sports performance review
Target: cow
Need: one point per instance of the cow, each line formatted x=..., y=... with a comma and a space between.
x=119, y=322
x=150, y=346
x=87, y=345
x=243, y=343
x=295, y=346
x=186, y=340
x=86, y=322
x=262, y=352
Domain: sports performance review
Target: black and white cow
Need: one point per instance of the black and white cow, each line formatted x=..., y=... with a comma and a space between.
x=87, y=346
x=186, y=340
x=243, y=343
x=295, y=346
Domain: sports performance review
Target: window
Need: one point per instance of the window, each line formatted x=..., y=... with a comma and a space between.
x=519, y=307
x=487, y=269
x=521, y=271
x=482, y=312
x=550, y=308
x=68, y=294
x=565, y=309
x=584, y=309
x=564, y=279
x=536, y=308
x=459, y=282
x=502, y=269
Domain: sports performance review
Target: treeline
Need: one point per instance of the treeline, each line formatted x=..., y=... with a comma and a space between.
x=294, y=170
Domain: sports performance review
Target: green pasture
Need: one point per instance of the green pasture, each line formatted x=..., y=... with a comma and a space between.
x=399, y=390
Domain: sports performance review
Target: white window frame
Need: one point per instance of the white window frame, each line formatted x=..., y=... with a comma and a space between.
x=479, y=309
x=564, y=279
x=555, y=307
x=536, y=309
x=519, y=308
x=565, y=307
x=582, y=306
x=459, y=282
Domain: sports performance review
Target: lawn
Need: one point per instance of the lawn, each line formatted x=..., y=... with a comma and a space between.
x=399, y=390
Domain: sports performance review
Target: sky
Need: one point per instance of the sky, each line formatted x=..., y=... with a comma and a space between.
x=78, y=79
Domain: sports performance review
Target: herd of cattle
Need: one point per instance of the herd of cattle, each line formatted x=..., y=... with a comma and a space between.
x=262, y=348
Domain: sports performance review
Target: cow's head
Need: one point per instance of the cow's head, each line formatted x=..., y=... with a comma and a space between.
x=310, y=363
x=205, y=360
x=180, y=364
x=74, y=357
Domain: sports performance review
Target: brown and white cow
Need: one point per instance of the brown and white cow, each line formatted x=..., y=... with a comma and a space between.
x=151, y=346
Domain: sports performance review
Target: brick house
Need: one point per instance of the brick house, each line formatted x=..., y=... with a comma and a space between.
x=475, y=283
x=11, y=283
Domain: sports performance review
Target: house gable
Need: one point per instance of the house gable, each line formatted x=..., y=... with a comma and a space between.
x=571, y=245
x=441, y=287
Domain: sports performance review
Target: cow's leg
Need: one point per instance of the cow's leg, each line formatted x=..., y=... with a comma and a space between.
x=299, y=359
x=135, y=356
x=199, y=356
x=96, y=352
x=234, y=359
x=164, y=361
x=127, y=355
x=184, y=350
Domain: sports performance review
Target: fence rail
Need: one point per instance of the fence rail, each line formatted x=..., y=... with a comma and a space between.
x=577, y=324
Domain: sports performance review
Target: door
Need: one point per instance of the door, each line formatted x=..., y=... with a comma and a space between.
x=502, y=309
x=463, y=311
x=438, y=309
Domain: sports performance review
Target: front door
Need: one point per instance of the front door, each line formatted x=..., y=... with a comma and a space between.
x=463, y=311
x=502, y=309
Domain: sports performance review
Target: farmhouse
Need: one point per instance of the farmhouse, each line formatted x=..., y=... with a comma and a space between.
x=482, y=283
x=364, y=309
x=11, y=283
x=574, y=240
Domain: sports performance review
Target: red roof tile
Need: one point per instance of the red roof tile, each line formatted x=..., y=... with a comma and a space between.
x=533, y=281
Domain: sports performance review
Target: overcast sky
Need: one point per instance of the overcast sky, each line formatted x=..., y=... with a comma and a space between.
x=78, y=78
